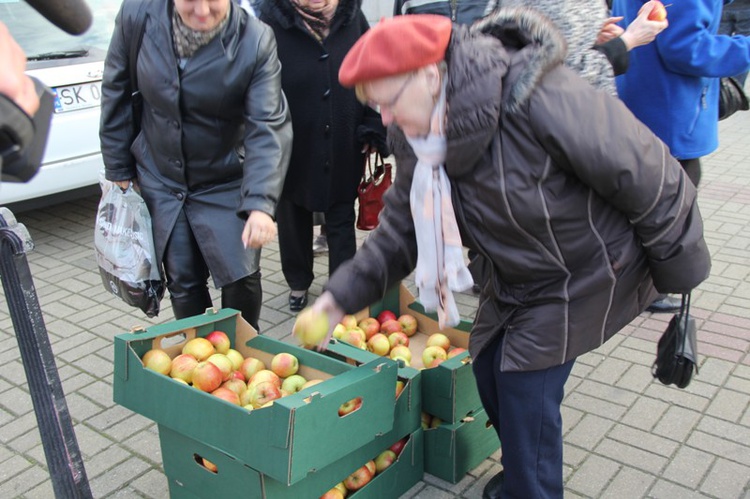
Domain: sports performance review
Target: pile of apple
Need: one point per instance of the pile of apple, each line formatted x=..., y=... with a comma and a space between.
x=209, y=364
x=388, y=335
x=365, y=473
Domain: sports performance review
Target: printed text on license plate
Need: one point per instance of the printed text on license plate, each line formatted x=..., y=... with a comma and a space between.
x=81, y=96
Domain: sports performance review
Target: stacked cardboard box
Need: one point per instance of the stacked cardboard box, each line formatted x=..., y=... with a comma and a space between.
x=298, y=443
x=464, y=437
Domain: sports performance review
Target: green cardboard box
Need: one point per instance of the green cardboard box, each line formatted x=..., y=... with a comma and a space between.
x=189, y=478
x=298, y=434
x=449, y=390
x=452, y=450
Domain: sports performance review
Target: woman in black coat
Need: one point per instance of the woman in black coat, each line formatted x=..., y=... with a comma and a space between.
x=332, y=132
x=211, y=151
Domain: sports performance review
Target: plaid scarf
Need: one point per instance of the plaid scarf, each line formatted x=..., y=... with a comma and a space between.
x=318, y=22
x=187, y=40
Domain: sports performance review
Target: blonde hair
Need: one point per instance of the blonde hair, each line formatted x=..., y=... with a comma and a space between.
x=361, y=93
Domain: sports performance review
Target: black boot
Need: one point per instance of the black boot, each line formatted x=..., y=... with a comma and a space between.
x=245, y=295
x=494, y=486
x=188, y=305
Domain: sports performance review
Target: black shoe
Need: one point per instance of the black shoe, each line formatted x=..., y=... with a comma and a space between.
x=665, y=305
x=494, y=486
x=297, y=303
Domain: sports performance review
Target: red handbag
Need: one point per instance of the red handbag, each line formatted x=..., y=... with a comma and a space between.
x=375, y=181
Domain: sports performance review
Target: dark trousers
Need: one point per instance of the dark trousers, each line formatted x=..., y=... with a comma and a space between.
x=187, y=279
x=524, y=408
x=295, y=240
x=693, y=169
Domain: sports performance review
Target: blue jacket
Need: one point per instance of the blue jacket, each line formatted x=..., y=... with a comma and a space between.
x=672, y=84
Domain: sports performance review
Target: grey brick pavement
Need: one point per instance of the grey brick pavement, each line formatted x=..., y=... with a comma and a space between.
x=626, y=436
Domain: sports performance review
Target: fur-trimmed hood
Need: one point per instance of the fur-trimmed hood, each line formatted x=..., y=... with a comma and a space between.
x=491, y=75
x=286, y=14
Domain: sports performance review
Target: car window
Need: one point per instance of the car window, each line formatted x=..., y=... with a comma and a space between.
x=41, y=40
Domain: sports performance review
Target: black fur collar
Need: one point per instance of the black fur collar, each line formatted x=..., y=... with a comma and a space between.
x=286, y=15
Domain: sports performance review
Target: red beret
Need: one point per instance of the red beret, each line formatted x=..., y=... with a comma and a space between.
x=394, y=46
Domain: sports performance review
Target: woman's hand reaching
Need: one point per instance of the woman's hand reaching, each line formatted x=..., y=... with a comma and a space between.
x=260, y=229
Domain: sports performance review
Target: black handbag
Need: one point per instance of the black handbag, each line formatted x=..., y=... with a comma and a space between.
x=732, y=97
x=677, y=351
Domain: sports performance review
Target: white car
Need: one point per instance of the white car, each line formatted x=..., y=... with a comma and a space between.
x=72, y=66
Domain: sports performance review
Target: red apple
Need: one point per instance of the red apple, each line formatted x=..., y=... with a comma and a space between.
x=236, y=385
x=226, y=394
x=182, y=367
x=439, y=340
x=265, y=375
x=238, y=375
x=399, y=446
x=340, y=486
x=200, y=348
x=157, y=360
x=386, y=315
x=455, y=351
x=293, y=383
x=263, y=393
x=355, y=337
x=379, y=344
x=311, y=327
x=390, y=326
x=358, y=479
x=284, y=364
x=350, y=406
x=384, y=460
x=219, y=340
x=370, y=326
x=206, y=376
x=658, y=12
x=408, y=324
x=431, y=354
x=223, y=363
x=250, y=366
x=398, y=338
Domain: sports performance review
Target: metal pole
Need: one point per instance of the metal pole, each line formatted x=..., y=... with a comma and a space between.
x=55, y=426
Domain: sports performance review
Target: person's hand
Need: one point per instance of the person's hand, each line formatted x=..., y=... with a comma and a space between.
x=327, y=303
x=609, y=30
x=14, y=83
x=642, y=31
x=123, y=184
x=259, y=230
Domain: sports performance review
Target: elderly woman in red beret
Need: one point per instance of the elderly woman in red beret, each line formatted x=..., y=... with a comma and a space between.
x=579, y=211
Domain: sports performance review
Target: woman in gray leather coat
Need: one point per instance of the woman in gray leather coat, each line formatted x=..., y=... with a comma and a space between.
x=212, y=147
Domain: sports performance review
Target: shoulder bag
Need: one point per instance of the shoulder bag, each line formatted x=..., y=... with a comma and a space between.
x=677, y=351
x=732, y=97
x=375, y=181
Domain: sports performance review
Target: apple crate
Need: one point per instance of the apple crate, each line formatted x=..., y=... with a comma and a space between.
x=188, y=477
x=449, y=390
x=452, y=450
x=284, y=441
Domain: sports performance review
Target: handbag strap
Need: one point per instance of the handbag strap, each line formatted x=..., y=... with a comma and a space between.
x=684, y=318
x=135, y=47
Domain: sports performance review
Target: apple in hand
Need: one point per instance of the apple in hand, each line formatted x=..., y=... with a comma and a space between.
x=433, y=355
x=311, y=327
x=200, y=348
x=408, y=324
x=157, y=360
x=219, y=340
x=379, y=344
x=358, y=479
x=293, y=383
x=284, y=364
x=658, y=12
x=384, y=460
x=386, y=315
x=350, y=406
x=207, y=377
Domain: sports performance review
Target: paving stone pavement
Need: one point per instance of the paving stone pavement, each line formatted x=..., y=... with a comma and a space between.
x=626, y=436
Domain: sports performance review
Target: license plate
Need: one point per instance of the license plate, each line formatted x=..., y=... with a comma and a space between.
x=74, y=97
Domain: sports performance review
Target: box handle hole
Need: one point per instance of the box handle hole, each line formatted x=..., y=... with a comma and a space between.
x=350, y=407
x=205, y=463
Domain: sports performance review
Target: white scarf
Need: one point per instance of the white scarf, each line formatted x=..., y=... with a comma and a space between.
x=440, y=263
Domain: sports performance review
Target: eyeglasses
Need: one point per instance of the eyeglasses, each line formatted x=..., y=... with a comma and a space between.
x=391, y=103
